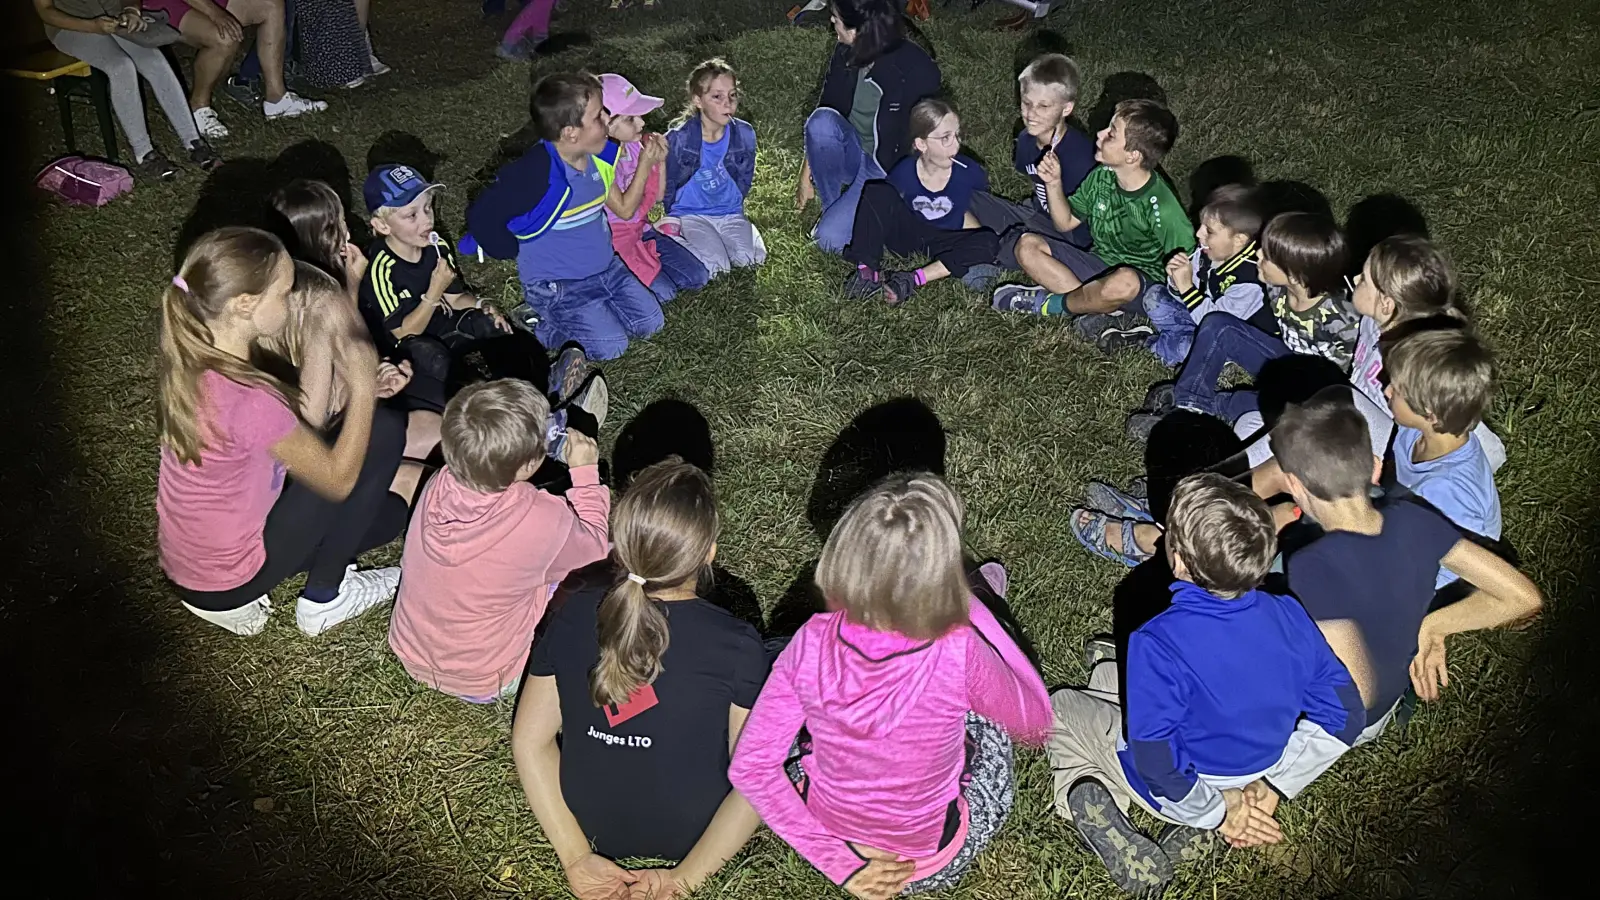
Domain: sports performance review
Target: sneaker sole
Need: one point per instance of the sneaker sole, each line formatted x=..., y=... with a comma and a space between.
x=1184, y=844
x=594, y=397
x=1135, y=862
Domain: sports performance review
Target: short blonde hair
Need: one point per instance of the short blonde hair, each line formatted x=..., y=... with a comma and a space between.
x=491, y=430
x=1224, y=533
x=1445, y=374
x=1054, y=70
x=894, y=561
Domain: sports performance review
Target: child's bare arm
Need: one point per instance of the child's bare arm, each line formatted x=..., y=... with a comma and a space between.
x=1502, y=595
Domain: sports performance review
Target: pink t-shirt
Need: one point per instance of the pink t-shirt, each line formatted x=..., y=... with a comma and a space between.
x=210, y=517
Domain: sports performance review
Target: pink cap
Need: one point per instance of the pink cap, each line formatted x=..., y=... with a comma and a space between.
x=621, y=98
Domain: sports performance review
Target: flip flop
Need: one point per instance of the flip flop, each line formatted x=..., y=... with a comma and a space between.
x=1089, y=527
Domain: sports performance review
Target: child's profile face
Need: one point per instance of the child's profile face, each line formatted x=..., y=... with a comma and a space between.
x=1270, y=273
x=410, y=224
x=943, y=142
x=593, y=130
x=625, y=129
x=1110, y=145
x=1402, y=411
x=1043, y=111
x=1217, y=240
x=720, y=101
x=1368, y=300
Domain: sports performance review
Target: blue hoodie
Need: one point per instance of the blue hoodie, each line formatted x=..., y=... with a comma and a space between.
x=1222, y=692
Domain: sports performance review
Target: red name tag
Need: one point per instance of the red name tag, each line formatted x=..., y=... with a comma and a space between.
x=643, y=698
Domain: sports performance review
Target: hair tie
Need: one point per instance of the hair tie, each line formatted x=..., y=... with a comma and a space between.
x=180, y=284
x=636, y=579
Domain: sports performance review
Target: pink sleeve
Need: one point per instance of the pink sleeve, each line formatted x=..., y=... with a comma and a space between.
x=586, y=534
x=1002, y=685
x=757, y=773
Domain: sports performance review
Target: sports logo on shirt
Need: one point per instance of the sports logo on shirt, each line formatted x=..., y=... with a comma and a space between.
x=641, y=700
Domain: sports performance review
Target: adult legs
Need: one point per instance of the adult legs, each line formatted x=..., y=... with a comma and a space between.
x=105, y=53
x=215, y=52
x=839, y=168
x=250, y=69
x=164, y=84
x=271, y=41
x=700, y=235
x=1220, y=338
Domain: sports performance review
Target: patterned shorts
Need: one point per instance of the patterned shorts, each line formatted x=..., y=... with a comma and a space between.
x=988, y=785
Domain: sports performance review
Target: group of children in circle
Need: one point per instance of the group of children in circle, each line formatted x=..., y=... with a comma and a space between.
x=308, y=389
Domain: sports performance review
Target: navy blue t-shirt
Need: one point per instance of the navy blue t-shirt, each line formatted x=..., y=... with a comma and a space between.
x=945, y=208
x=1075, y=151
x=1382, y=582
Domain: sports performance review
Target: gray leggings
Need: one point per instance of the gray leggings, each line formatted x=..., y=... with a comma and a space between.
x=123, y=62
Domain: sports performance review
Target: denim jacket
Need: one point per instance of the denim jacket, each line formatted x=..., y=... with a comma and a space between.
x=683, y=157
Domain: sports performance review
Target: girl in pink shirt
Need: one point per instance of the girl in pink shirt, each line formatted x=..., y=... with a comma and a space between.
x=908, y=688
x=247, y=494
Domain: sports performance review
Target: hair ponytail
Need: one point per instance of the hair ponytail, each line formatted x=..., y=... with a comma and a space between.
x=665, y=528
x=222, y=265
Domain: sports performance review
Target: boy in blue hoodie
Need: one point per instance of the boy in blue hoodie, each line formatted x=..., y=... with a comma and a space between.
x=1233, y=699
x=547, y=210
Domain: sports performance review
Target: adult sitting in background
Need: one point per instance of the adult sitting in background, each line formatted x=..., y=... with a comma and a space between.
x=96, y=31
x=215, y=28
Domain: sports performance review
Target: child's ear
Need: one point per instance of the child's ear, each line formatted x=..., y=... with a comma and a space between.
x=1066, y=111
x=712, y=555
x=379, y=226
x=1377, y=468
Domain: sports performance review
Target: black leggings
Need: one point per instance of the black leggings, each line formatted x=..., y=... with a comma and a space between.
x=475, y=351
x=306, y=532
x=885, y=222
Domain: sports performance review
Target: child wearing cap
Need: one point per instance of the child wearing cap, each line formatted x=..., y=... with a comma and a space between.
x=412, y=298
x=547, y=210
x=659, y=262
x=711, y=161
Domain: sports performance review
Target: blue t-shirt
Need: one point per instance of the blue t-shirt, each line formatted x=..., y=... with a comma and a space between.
x=1075, y=151
x=945, y=208
x=712, y=191
x=578, y=245
x=1383, y=582
x=1459, y=484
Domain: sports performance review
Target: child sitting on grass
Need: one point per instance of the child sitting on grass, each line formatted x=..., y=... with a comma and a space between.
x=1369, y=579
x=1221, y=277
x=1232, y=694
x=1304, y=258
x=664, y=266
x=547, y=210
x=924, y=207
x=908, y=689
x=711, y=162
x=1049, y=89
x=1134, y=218
x=486, y=548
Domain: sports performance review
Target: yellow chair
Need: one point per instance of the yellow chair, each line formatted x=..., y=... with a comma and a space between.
x=67, y=77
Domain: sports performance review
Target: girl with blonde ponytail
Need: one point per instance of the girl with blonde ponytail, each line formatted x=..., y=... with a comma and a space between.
x=247, y=493
x=650, y=683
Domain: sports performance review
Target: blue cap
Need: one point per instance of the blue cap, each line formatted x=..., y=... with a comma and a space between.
x=394, y=186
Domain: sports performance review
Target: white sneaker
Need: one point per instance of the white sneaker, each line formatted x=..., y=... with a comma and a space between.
x=376, y=64
x=359, y=592
x=211, y=127
x=292, y=104
x=246, y=621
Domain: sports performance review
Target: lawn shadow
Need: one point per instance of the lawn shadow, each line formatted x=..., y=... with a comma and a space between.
x=238, y=193
x=1036, y=44
x=1284, y=195
x=1376, y=217
x=406, y=149
x=666, y=427
x=1214, y=173
x=1120, y=86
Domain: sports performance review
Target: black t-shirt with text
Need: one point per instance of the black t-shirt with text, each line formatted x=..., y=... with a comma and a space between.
x=645, y=778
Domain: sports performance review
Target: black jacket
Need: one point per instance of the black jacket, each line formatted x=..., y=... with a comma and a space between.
x=904, y=73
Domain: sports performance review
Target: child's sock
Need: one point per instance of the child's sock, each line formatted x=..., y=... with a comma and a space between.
x=1054, y=305
x=921, y=275
x=868, y=272
x=320, y=594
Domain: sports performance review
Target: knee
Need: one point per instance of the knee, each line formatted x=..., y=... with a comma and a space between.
x=120, y=70
x=824, y=127
x=1032, y=246
x=1122, y=285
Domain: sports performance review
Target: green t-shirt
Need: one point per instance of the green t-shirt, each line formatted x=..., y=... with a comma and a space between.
x=864, y=111
x=1133, y=228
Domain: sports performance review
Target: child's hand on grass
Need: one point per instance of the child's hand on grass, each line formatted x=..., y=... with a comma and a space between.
x=1428, y=672
x=1049, y=169
x=581, y=450
x=883, y=876
x=1179, y=274
x=1246, y=824
x=1263, y=796
x=658, y=884
x=593, y=877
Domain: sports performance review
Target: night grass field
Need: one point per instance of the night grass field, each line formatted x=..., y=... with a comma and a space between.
x=283, y=766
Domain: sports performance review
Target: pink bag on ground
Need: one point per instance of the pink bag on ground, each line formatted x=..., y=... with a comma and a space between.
x=84, y=182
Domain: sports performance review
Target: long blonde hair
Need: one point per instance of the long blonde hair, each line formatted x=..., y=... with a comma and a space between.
x=318, y=308
x=894, y=561
x=664, y=529
x=222, y=264
x=699, y=82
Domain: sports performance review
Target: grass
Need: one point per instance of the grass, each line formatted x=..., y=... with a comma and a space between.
x=286, y=766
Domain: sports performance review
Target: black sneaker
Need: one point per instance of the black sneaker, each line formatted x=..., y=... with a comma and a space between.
x=1160, y=398
x=1090, y=325
x=245, y=93
x=860, y=285
x=1135, y=862
x=1184, y=844
x=201, y=154
x=155, y=167
x=1121, y=337
x=898, y=287
x=1140, y=424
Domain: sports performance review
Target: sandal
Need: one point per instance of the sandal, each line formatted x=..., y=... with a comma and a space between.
x=1104, y=497
x=898, y=287
x=1089, y=527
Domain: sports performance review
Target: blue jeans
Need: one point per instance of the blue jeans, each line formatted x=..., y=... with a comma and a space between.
x=1173, y=322
x=250, y=69
x=681, y=270
x=839, y=167
x=1220, y=338
x=602, y=312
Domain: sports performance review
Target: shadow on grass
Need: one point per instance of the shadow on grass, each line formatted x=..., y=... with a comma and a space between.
x=1380, y=216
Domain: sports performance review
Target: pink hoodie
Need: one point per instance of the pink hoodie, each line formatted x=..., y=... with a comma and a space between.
x=476, y=576
x=887, y=717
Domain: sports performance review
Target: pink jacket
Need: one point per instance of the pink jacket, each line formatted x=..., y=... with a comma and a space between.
x=476, y=576
x=887, y=717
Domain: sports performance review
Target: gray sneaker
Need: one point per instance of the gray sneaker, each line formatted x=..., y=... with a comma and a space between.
x=1184, y=844
x=1160, y=398
x=1135, y=862
x=1123, y=336
x=1140, y=424
x=1090, y=325
x=245, y=93
x=981, y=277
x=1020, y=298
